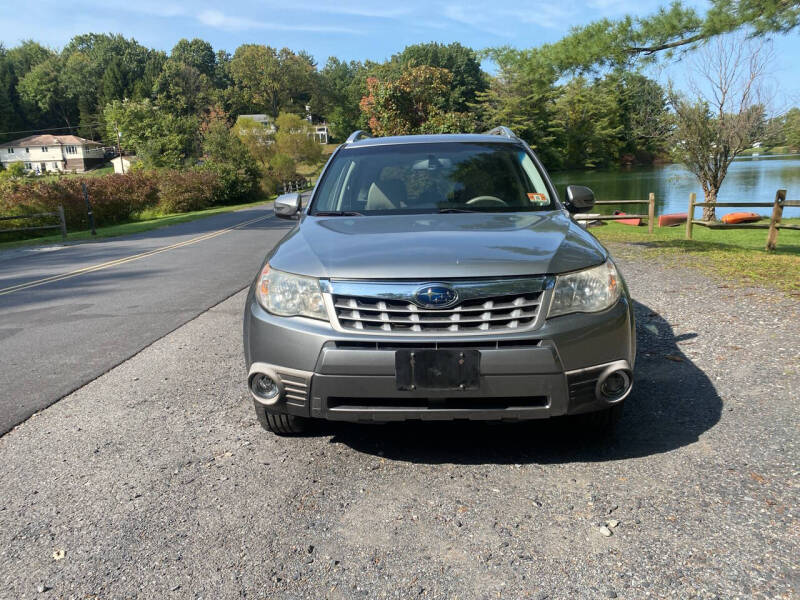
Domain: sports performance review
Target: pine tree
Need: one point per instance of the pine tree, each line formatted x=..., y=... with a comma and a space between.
x=112, y=86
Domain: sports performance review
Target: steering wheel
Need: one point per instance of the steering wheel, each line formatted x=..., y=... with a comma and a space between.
x=486, y=201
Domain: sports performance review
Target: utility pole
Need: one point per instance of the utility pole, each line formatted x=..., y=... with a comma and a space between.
x=119, y=149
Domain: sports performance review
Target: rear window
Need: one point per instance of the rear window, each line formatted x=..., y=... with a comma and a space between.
x=428, y=178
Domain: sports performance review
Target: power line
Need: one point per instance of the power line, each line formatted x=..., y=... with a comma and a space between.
x=52, y=128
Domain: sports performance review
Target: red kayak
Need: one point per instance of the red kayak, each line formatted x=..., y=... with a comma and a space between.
x=741, y=217
x=635, y=222
x=672, y=219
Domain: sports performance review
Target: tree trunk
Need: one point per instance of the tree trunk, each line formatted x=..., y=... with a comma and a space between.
x=708, y=211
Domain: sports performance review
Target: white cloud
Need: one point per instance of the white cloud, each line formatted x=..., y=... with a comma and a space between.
x=504, y=21
x=219, y=20
x=368, y=11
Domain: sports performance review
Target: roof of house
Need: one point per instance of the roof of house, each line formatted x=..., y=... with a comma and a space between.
x=51, y=140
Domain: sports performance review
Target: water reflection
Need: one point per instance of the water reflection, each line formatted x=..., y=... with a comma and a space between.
x=748, y=179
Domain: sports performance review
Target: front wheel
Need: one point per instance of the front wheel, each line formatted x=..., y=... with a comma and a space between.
x=281, y=424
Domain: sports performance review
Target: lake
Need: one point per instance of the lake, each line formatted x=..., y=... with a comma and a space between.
x=749, y=179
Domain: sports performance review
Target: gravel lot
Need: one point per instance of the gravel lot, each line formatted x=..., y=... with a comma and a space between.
x=155, y=480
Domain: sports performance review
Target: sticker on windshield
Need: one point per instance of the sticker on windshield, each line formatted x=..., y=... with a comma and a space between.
x=538, y=198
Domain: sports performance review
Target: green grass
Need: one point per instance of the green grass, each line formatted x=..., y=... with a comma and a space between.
x=146, y=222
x=108, y=169
x=736, y=255
x=313, y=171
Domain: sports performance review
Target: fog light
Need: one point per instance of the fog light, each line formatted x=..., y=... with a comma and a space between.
x=264, y=386
x=615, y=385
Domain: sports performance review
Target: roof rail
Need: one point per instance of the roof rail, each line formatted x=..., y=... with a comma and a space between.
x=357, y=135
x=502, y=130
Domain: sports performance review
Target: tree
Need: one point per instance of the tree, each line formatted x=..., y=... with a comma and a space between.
x=257, y=139
x=101, y=51
x=196, y=53
x=644, y=113
x=113, y=84
x=341, y=87
x=26, y=56
x=143, y=87
x=522, y=96
x=15, y=170
x=727, y=115
x=622, y=42
x=42, y=88
x=791, y=127
x=301, y=80
x=159, y=138
x=405, y=105
x=295, y=139
x=10, y=114
x=182, y=89
x=590, y=123
x=467, y=78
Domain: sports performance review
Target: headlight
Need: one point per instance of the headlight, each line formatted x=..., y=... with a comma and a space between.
x=586, y=291
x=290, y=295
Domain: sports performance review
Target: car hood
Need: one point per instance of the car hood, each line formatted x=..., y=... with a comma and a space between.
x=425, y=246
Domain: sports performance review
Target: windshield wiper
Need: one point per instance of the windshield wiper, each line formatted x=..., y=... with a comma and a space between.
x=338, y=213
x=457, y=210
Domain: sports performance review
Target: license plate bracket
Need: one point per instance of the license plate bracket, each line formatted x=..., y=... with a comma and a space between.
x=428, y=369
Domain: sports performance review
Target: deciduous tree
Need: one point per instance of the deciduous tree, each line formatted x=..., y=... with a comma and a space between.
x=724, y=114
x=159, y=138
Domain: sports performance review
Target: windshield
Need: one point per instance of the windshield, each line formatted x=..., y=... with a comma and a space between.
x=430, y=178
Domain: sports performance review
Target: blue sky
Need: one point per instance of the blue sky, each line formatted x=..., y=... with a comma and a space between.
x=347, y=29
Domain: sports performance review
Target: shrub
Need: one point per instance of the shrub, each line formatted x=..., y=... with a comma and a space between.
x=120, y=198
x=114, y=198
x=184, y=191
x=233, y=185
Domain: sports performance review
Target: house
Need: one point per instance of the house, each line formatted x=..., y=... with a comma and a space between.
x=42, y=153
x=123, y=164
x=321, y=133
x=264, y=120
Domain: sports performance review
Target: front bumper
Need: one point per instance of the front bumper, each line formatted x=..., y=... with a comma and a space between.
x=547, y=372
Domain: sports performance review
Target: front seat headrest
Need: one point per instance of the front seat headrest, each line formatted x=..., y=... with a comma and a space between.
x=386, y=195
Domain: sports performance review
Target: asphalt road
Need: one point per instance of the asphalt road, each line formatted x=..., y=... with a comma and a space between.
x=70, y=313
x=155, y=480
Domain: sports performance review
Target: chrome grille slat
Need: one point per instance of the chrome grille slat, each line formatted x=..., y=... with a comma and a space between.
x=413, y=309
x=456, y=318
x=501, y=313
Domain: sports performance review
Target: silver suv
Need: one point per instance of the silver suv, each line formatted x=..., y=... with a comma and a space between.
x=437, y=277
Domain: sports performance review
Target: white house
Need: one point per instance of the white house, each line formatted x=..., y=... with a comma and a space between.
x=122, y=164
x=264, y=120
x=321, y=133
x=42, y=153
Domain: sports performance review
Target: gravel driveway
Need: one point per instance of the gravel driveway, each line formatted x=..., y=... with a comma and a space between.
x=155, y=481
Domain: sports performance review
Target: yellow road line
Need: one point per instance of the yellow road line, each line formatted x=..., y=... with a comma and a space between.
x=127, y=259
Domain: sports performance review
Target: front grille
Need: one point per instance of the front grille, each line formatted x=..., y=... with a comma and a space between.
x=495, y=314
x=436, y=404
x=394, y=345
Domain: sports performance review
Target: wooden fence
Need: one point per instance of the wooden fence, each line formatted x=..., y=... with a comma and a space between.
x=774, y=223
x=650, y=216
x=62, y=223
x=296, y=185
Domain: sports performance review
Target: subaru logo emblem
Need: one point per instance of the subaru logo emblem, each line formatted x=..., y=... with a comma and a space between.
x=436, y=295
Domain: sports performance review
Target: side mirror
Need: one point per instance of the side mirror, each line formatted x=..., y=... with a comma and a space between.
x=287, y=205
x=579, y=199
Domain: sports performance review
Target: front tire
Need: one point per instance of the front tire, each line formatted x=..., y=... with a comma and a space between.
x=280, y=424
